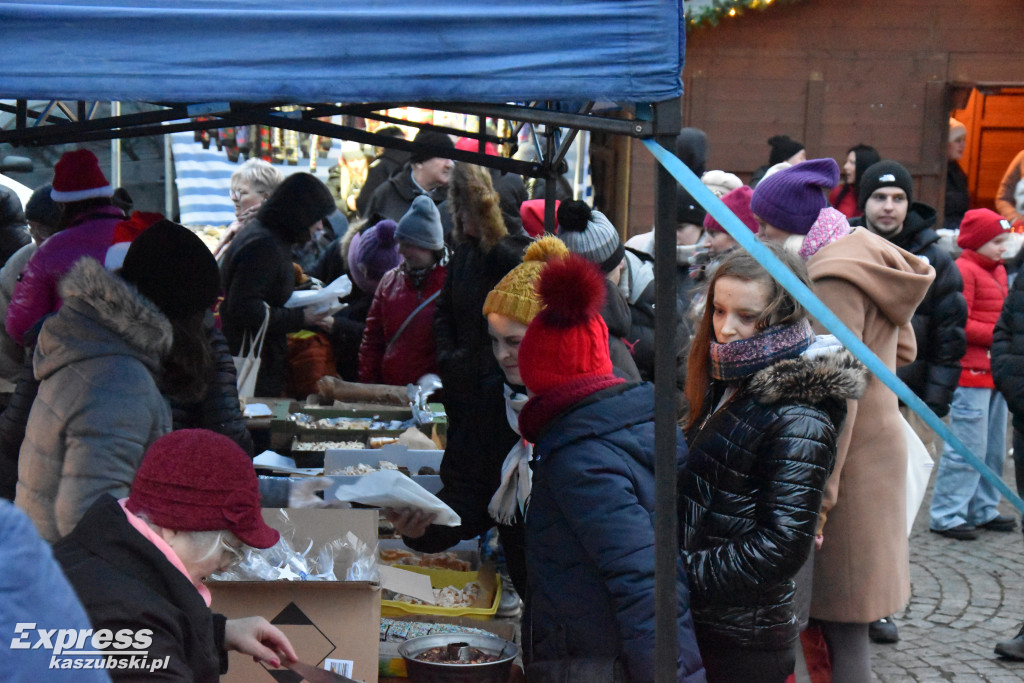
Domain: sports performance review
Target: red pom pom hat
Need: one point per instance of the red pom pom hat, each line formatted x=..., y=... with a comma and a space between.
x=568, y=339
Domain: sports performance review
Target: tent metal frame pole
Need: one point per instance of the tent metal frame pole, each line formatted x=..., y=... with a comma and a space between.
x=666, y=119
x=348, y=133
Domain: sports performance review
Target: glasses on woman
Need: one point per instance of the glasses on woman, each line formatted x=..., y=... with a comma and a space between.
x=237, y=554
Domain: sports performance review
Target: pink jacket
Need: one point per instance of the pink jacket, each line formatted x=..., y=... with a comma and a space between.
x=36, y=294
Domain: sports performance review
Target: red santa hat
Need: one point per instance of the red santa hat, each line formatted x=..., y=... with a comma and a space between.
x=77, y=176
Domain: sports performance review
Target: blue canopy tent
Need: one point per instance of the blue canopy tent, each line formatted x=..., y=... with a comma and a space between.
x=233, y=62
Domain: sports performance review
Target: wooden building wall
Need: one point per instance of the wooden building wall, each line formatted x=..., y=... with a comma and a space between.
x=834, y=73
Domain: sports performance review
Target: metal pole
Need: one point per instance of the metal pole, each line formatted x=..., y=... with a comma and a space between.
x=168, y=182
x=115, y=150
x=666, y=540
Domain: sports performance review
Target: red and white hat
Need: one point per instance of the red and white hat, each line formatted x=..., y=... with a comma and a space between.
x=77, y=176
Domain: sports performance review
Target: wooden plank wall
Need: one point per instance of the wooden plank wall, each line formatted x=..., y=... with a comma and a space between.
x=834, y=73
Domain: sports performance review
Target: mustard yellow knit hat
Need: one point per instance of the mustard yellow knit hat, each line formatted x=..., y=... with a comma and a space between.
x=516, y=295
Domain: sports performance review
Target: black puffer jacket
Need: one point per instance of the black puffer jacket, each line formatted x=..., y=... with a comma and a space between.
x=751, y=491
x=940, y=317
x=1008, y=351
x=219, y=411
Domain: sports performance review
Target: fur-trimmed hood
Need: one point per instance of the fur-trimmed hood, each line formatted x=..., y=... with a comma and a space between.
x=102, y=315
x=836, y=376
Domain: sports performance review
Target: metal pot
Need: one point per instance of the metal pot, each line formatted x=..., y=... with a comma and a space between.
x=429, y=672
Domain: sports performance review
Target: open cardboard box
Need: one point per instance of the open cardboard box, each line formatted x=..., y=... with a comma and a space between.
x=336, y=619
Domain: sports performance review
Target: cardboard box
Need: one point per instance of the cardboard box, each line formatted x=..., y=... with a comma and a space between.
x=339, y=620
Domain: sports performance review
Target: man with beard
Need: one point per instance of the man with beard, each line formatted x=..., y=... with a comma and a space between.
x=886, y=200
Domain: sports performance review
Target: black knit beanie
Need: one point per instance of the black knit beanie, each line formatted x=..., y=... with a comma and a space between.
x=430, y=137
x=783, y=147
x=171, y=267
x=885, y=173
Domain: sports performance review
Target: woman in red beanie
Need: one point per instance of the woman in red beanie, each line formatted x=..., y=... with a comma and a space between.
x=589, y=535
x=139, y=563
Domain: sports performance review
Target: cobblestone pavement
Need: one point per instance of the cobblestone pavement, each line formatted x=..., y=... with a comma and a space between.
x=965, y=597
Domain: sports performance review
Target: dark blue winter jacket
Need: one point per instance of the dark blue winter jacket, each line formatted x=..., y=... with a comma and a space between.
x=590, y=538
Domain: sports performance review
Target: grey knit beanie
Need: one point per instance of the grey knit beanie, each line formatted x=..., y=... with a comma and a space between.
x=421, y=225
x=589, y=233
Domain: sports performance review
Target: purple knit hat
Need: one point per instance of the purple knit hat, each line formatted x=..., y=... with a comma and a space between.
x=372, y=253
x=791, y=200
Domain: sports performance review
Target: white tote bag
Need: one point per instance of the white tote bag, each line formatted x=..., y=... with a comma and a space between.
x=247, y=365
x=919, y=469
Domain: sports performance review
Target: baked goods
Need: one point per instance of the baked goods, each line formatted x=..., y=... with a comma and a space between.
x=408, y=558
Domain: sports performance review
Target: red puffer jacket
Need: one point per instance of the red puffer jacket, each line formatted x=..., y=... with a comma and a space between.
x=985, y=290
x=412, y=355
x=36, y=294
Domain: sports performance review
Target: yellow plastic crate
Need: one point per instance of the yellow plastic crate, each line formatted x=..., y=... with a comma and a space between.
x=439, y=578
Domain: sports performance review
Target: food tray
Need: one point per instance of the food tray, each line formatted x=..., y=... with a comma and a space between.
x=337, y=459
x=439, y=578
x=468, y=550
x=279, y=422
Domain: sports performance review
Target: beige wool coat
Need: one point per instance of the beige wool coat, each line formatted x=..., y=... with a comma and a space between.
x=862, y=572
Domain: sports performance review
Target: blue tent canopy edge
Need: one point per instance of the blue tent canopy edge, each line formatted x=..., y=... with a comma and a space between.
x=330, y=51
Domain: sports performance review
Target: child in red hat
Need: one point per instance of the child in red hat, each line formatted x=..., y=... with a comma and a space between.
x=963, y=502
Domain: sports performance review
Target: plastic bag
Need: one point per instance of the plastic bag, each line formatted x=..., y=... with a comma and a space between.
x=348, y=556
x=919, y=469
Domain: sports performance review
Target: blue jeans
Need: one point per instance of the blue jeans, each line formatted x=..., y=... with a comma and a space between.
x=978, y=418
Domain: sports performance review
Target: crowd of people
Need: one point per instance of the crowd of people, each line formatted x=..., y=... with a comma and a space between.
x=124, y=444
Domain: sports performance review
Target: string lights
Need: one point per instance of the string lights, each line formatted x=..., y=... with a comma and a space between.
x=709, y=12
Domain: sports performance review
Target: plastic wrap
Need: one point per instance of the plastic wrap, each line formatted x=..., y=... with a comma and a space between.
x=348, y=556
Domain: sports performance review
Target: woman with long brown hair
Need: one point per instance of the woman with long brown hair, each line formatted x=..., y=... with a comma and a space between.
x=767, y=400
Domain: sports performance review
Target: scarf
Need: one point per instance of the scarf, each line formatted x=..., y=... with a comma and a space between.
x=514, y=488
x=826, y=229
x=153, y=537
x=739, y=359
x=540, y=410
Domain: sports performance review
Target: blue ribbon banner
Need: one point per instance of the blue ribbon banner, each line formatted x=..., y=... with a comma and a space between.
x=785, y=277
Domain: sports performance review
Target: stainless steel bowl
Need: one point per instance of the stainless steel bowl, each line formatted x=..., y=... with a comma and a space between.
x=429, y=672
